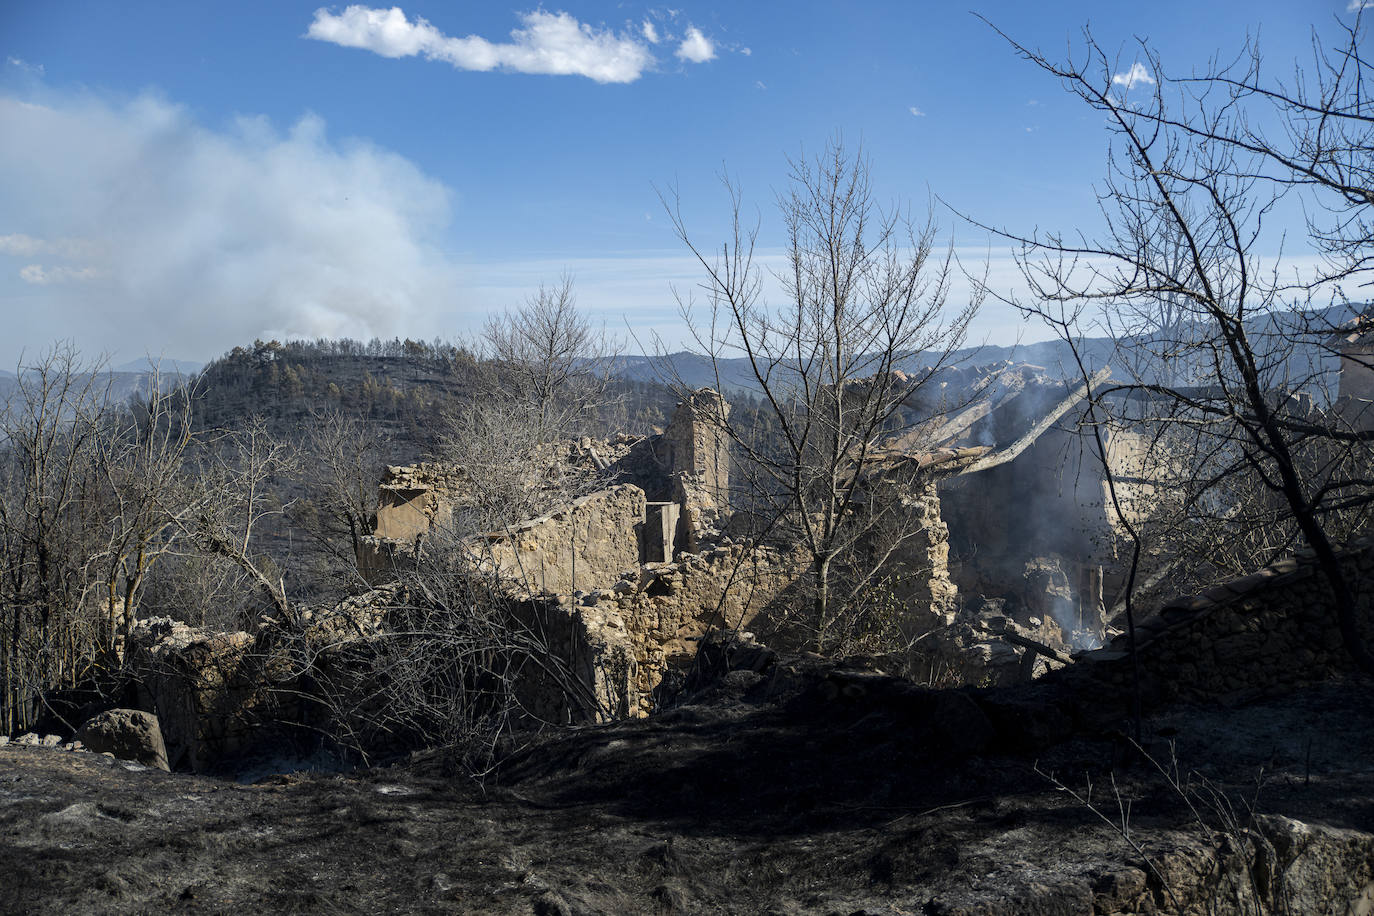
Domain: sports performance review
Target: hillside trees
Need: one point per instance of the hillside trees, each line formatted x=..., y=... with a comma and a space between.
x=47, y=533
x=862, y=288
x=98, y=499
x=84, y=488
x=1199, y=167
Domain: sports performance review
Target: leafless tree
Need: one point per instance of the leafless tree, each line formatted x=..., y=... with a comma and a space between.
x=47, y=530
x=342, y=459
x=1198, y=169
x=84, y=486
x=546, y=376
x=238, y=467
x=555, y=366
x=862, y=293
x=139, y=457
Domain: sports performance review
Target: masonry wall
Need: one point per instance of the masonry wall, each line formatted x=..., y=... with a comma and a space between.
x=1357, y=378
x=412, y=498
x=665, y=609
x=212, y=692
x=584, y=546
x=927, y=590
x=1261, y=634
x=694, y=451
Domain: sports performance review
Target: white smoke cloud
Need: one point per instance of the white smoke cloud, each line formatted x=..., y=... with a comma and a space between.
x=152, y=231
x=549, y=43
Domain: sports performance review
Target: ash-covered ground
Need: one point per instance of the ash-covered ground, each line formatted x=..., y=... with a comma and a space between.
x=846, y=793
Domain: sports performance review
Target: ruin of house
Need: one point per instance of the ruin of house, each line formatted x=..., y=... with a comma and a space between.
x=1002, y=514
x=625, y=582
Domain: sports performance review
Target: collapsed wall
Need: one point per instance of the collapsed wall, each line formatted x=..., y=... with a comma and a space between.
x=621, y=624
x=666, y=609
x=220, y=696
x=210, y=691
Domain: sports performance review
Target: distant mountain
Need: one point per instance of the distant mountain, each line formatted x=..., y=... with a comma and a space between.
x=735, y=374
x=114, y=385
x=165, y=366
x=1294, y=347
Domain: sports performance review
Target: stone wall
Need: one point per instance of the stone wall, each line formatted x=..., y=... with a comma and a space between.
x=1357, y=376
x=600, y=660
x=664, y=610
x=411, y=499
x=210, y=691
x=584, y=546
x=221, y=695
x=927, y=590
x=694, y=451
x=1264, y=633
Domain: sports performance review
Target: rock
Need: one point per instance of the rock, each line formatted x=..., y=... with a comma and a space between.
x=1120, y=889
x=4, y=740
x=551, y=904
x=28, y=739
x=50, y=741
x=128, y=734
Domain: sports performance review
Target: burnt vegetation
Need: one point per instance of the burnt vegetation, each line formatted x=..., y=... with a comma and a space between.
x=833, y=574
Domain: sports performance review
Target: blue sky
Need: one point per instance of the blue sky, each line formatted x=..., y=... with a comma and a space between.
x=179, y=178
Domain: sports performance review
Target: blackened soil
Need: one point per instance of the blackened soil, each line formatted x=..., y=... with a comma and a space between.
x=861, y=799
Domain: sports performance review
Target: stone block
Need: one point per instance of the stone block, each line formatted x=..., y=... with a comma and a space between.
x=129, y=734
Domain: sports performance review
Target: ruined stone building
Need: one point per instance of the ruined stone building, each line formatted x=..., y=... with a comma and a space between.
x=1009, y=571
x=1000, y=570
x=1032, y=527
x=1007, y=514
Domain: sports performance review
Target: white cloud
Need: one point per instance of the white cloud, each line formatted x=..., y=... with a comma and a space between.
x=1357, y=5
x=759, y=84
x=39, y=275
x=696, y=47
x=746, y=51
x=650, y=33
x=27, y=67
x=27, y=246
x=1133, y=77
x=916, y=112
x=140, y=228
x=548, y=43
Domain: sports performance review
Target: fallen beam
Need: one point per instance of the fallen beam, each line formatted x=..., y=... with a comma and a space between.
x=1028, y=438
